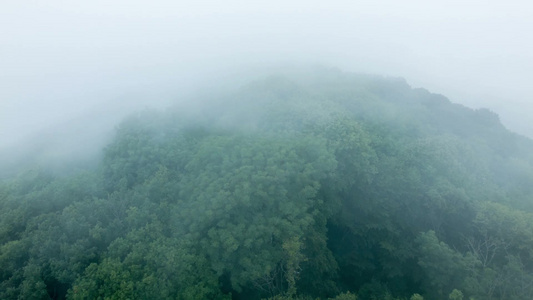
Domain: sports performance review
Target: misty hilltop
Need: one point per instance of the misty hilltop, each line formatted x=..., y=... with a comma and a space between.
x=302, y=184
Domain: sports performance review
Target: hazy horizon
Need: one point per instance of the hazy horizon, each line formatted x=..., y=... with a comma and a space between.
x=61, y=60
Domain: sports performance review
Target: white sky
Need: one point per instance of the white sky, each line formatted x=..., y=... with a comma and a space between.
x=59, y=58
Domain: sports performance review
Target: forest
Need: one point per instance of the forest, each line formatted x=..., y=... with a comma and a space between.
x=315, y=184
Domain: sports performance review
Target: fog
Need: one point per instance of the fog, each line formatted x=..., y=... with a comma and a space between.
x=61, y=61
x=266, y=149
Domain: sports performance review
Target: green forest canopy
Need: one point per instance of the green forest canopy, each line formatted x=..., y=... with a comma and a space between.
x=301, y=185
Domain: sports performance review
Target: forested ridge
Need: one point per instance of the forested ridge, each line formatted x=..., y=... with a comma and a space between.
x=301, y=185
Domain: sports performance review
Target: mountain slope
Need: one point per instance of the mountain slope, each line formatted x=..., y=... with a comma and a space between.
x=306, y=183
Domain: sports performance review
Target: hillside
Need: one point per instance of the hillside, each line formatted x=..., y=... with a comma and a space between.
x=298, y=185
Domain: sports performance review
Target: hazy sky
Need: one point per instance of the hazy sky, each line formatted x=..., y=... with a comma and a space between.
x=61, y=58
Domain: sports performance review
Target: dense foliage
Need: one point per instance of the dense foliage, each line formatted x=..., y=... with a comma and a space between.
x=304, y=185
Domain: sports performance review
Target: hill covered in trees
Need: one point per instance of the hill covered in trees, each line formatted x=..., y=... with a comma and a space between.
x=300, y=185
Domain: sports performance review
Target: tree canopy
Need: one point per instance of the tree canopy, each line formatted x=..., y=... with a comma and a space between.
x=301, y=185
